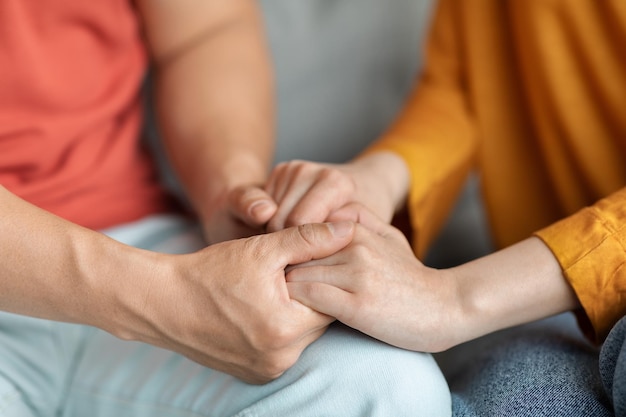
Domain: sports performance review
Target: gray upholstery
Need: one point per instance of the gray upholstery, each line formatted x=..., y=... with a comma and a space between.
x=343, y=70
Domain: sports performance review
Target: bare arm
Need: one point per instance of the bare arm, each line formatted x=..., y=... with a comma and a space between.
x=516, y=285
x=214, y=89
x=225, y=307
x=54, y=269
x=377, y=285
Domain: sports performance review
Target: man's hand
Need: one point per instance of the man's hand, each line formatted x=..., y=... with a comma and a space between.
x=227, y=306
x=240, y=212
x=301, y=192
x=214, y=90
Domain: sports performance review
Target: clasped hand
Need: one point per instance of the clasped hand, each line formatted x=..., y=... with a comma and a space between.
x=227, y=306
x=375, y=284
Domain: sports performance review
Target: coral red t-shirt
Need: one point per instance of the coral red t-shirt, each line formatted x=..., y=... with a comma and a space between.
x=70, y=110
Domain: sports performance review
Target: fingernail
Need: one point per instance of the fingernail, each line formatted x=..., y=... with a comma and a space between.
x=341, y=229
x=259, y=208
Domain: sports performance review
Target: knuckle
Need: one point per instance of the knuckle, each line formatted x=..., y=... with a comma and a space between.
x=275, y=350
x=350, y=315
x=274, y=336
x=296, y=165
x=273, y=366
x=253, y=248
x=302, y=168
x=308, y=232
x=362, y=251
x=248, y=193
x=283, y=336
x=338, y=178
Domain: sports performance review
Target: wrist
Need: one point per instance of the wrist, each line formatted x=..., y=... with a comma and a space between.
x=383, y=181
x=470, y=306
x=119, y=279
x=516, y=285
x=454, y=320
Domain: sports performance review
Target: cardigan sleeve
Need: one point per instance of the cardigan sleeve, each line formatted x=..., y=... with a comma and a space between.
x=434, y=132
x=591, y=248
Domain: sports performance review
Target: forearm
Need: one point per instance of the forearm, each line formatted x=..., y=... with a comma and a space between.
x=225, y=307
x=215, y=106
x=57, y=270
x=516, y=285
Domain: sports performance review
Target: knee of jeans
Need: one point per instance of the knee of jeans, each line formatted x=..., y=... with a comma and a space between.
x=381, y=379
x=613, y=367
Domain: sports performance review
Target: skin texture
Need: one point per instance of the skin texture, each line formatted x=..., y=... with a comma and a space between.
x=308, y=192
x=378, y=286
x=214, y=89
x=301, y=192
x=226, y=306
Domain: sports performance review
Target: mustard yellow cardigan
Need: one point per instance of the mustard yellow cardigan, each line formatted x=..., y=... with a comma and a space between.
x=532, y=94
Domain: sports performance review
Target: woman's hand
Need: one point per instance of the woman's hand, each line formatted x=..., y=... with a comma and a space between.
x=309, y=192
x=378, y=286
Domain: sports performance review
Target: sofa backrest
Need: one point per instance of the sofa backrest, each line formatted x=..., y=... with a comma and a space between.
x=343, y=69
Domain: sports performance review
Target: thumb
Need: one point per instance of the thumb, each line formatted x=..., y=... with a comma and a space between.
x=312, y=241
x=251, y=204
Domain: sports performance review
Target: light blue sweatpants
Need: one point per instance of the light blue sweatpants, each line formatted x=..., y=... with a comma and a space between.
x=58, y=369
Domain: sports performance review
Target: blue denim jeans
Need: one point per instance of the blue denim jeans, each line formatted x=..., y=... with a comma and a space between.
x=613, y=367
x=544, y=369
x=66, y=370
